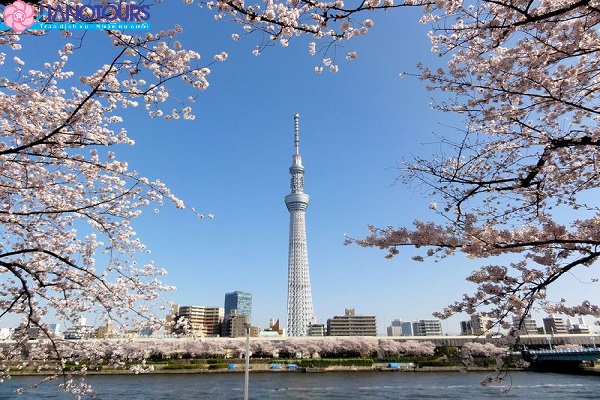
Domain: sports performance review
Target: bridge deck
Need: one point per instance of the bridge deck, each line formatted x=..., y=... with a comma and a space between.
x=562, y=355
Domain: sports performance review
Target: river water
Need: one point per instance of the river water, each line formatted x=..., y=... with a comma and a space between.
x=331, y=385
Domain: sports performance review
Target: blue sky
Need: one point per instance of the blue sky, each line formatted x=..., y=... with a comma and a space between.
x=356, y=126
x=233, y=162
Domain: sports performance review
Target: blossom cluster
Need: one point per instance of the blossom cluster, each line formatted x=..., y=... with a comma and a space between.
x=329, y=23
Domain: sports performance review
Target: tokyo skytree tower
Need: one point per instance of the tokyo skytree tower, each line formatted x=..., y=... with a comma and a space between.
x=300, y=313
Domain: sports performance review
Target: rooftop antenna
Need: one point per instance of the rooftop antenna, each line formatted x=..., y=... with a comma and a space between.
x=296, y=132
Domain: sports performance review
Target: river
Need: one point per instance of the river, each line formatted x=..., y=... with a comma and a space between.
x=330, y=385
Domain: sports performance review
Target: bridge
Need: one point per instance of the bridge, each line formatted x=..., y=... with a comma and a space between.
x=578, y=355
x=535, y=341
x=571, y=361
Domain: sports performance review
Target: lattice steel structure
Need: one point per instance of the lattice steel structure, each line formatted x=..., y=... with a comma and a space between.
x=300, y=313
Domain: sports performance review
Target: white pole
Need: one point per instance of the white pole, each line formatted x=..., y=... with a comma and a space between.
x=247, y=370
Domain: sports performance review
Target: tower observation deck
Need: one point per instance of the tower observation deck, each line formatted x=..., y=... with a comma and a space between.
x=300, y=313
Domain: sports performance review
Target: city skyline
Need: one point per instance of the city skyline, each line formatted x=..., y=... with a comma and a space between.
x=210, y=322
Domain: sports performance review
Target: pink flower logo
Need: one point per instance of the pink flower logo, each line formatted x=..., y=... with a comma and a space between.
x=18, y=15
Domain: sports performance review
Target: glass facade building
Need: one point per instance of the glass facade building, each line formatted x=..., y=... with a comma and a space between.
x=240, y=301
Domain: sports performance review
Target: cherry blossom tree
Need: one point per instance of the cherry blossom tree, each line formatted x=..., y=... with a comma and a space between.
x=388, y=348
x=416, y=348
x=327, y=23
x=262, y=349
x=124, y=352
x=234, y=348
x=482, y=349
x=67, y=244
x=520, y=180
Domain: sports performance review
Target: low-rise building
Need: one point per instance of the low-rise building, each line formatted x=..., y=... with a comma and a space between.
x=427, y=327
x=235, y=325
x=5, y=333
x=525, y=325
x=105, y=331
x=351, y=324
x=579, y=327
x=79, y=332
x=465, y=328
x=316, y=330
x=274, y=330
x=554, y=325
x=395, y=328
x=480, y=324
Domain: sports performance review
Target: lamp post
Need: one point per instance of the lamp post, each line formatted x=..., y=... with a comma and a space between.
x=247, y=369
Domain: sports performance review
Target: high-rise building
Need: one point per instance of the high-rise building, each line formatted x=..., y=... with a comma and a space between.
x=213, y=317
x=300, y=313
x=239, y=301
x=199, y=320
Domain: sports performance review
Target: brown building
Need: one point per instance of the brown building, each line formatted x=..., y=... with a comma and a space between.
x=198, y=320
x=351, y=324
x=235, y=325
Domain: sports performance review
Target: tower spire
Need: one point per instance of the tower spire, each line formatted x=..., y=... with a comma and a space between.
x=300, y=313
x=296, y=133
